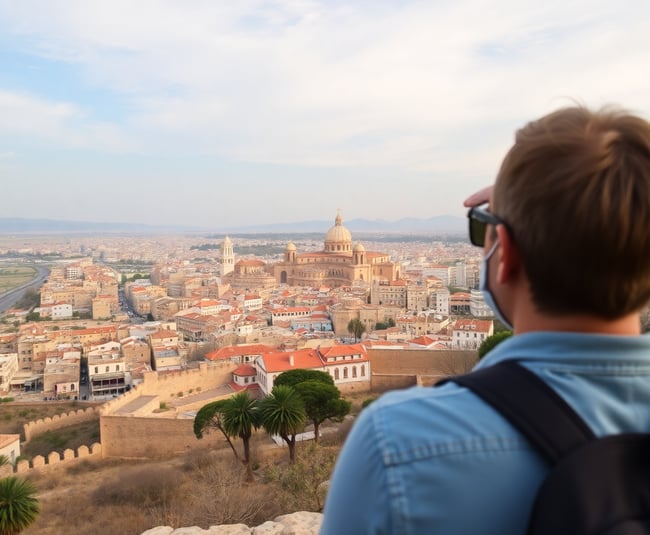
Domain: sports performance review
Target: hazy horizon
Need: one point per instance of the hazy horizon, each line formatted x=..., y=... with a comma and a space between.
x=217, y=115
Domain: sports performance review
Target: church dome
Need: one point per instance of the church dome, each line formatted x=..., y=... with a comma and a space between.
x=290, y=247
x=338, y=239
x=358, y=248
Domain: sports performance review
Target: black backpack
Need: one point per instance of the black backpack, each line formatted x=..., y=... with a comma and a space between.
x=594, y=485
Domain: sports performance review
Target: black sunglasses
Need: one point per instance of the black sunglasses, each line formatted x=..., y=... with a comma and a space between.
x=479, y=219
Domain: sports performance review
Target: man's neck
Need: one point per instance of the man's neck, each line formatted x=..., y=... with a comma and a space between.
x=628, y=325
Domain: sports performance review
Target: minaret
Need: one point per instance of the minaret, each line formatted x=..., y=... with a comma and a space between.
x=227, y=257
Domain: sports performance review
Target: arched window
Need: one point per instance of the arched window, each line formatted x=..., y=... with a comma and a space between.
x=363, y=370
x=354, y=371
x=345, y=373
x=336, y=374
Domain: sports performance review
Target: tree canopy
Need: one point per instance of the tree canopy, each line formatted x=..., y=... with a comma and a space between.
x=322, y=402
x=293, y=377
x=283, y=414
x=236, y=416
x=492, y=341
x=357, y=328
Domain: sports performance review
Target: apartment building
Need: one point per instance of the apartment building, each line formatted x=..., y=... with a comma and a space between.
x=8, y=369
x=61, y=376
x=106, y=370
x=168, y=353
x=477, y=305
x=470, y=333
x=393, y=293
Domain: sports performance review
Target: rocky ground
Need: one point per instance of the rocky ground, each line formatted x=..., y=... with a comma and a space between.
x=300, y=523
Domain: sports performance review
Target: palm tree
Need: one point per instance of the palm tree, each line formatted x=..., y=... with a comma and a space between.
x=283, y=414
x=240, y=416
x=236, y=416
x=211, y=416
x=18, y=505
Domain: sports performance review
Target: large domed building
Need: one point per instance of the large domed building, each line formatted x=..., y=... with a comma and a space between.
x=338, y=264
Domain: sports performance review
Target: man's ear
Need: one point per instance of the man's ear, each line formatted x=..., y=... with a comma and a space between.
x=509, y=260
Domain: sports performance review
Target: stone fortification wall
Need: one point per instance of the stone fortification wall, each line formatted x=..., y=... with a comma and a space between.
x=130, y=437
x=55, y=459
x=357, y=386
x=168, y=386
x=40, y=426
x=406, y=367
x=384, y=383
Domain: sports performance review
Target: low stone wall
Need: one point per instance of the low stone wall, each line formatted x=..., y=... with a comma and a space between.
x=416, y=362
x=56, y=459
x=40, y=426
x=357, y=386
x=384, y=383
x=301, y=523
x=150, y=437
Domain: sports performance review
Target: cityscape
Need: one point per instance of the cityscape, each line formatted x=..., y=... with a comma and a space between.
x=215, y=206
x=207, y=293
x=142, y=331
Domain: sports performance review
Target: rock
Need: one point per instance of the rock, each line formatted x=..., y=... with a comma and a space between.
x=229, y=529
x=300, y=523
x=268, y=528
x=160, y=530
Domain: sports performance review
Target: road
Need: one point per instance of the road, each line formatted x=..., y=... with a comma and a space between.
x=9, y=299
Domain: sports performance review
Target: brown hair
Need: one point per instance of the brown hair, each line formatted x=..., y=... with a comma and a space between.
x=575, y=192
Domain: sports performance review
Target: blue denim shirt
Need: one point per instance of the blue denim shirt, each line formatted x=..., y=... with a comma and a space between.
x=439, y=460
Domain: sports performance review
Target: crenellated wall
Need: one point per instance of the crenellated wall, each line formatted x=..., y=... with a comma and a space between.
x=54, y=458
x=40, y=426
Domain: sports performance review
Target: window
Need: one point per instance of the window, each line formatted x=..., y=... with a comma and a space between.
x=96, y=369
x=108, y=368
x=354, y=371
x=336, y=374
x=363, y=370
x=345, y=373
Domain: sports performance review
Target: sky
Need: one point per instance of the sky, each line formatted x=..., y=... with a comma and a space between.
x=217, y=113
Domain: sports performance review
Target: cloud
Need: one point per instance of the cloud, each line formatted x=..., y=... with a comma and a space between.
x=433, y=87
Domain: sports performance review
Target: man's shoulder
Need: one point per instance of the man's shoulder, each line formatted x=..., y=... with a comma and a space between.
x=421, y=422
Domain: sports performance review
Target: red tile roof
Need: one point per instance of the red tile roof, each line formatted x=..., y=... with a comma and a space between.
x=229, y=352
x=245, y=370
x=343, y=350
x=473, y=325
x=302, y=359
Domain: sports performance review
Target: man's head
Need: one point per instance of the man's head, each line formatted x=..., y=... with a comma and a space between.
x=574, y=191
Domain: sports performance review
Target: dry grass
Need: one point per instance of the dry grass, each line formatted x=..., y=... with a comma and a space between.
x=15, y=414
x=202, y=488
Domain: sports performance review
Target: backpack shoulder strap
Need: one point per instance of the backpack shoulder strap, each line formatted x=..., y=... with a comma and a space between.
x=530, y=405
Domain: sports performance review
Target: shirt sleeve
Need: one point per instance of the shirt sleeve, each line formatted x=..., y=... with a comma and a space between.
x=358, y=498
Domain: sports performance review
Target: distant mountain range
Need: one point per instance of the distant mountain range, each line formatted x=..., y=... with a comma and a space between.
x=434, y=225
